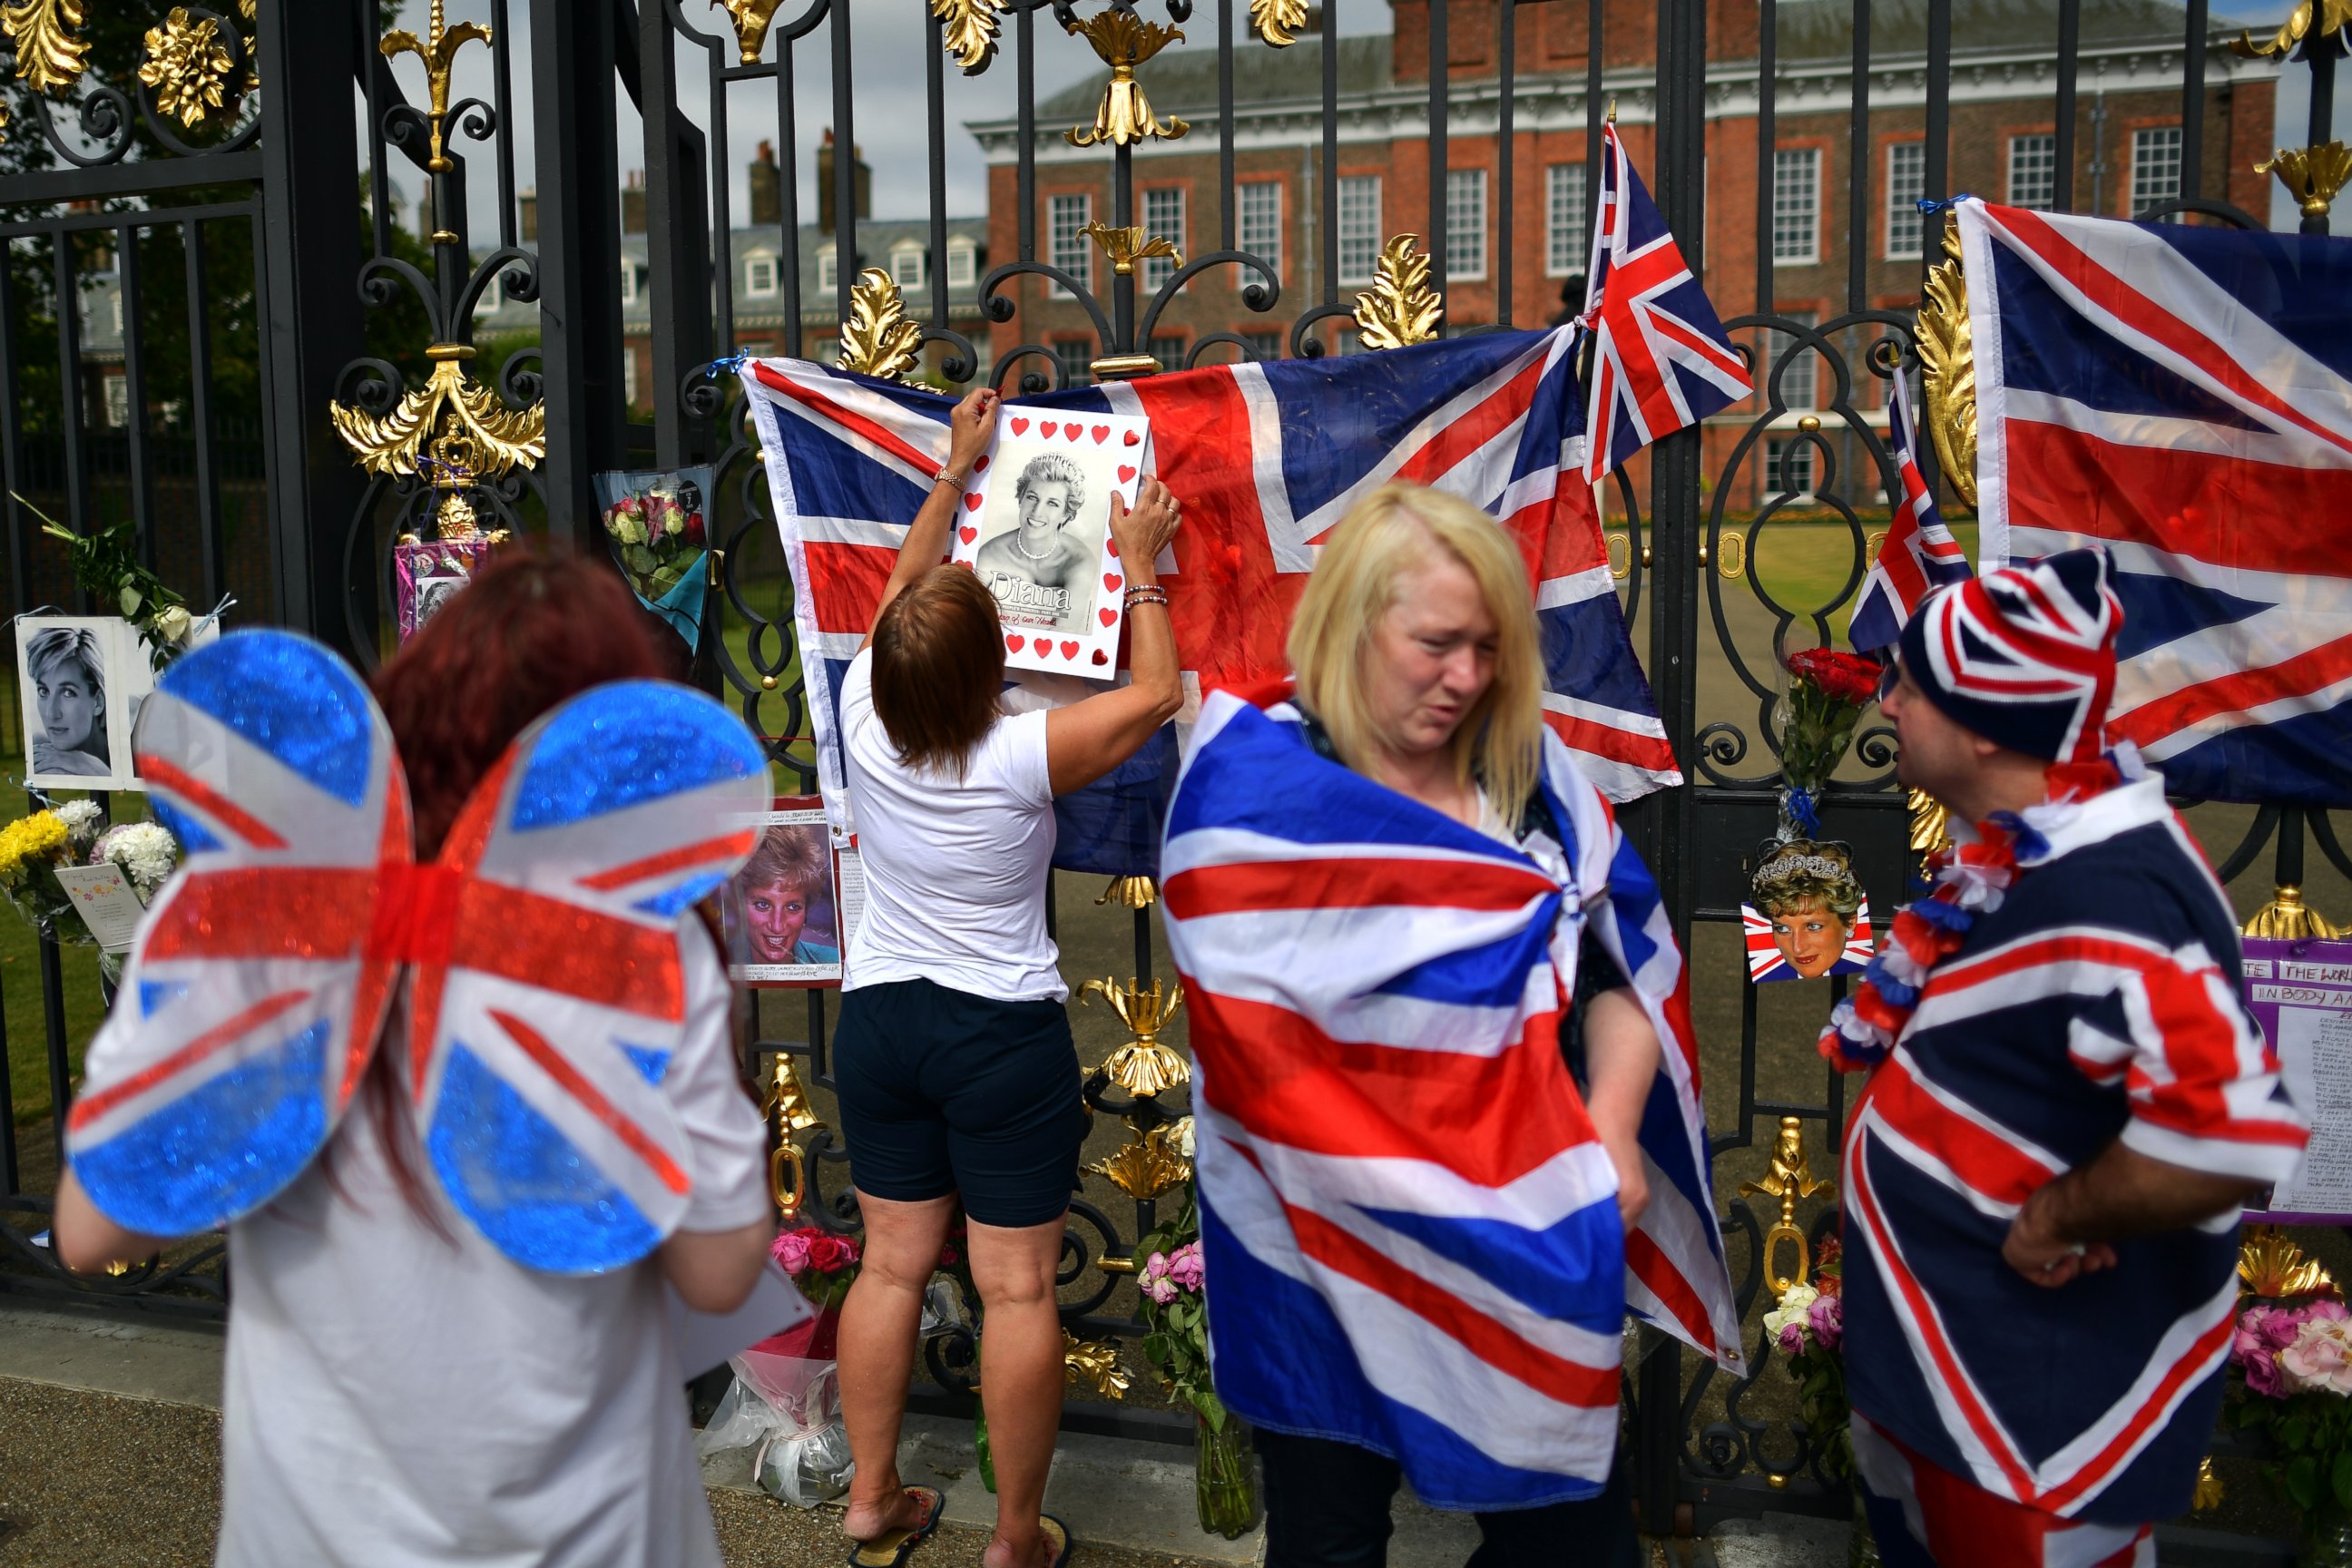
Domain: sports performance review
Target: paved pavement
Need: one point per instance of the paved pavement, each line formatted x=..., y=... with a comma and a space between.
x=110, y=1454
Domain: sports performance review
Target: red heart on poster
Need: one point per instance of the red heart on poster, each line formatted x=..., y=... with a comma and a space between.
x=971, y=504
x=1108, y=616
x=1042, y=644
x=1110, y=548
x=1111, y=581
x=1070, y=651
x=1074, y=431
x=1101, y=432
x=1125, y=473
x=1132, y=440
x=1101, y=657
x=1047, y=428
x=1021, y=427
x=967, y=534
x=980, y=465
x=1012, y=644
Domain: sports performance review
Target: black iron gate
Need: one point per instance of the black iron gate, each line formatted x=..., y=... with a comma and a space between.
x=200, y=334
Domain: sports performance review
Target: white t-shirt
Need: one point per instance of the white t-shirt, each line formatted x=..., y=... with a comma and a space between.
x=955, y=872
x=396, y=1398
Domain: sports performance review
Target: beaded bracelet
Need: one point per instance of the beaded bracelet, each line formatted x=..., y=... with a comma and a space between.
x=1146, y=594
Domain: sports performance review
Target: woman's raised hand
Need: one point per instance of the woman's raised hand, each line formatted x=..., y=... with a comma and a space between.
x=1144, y=533
x=974, y=424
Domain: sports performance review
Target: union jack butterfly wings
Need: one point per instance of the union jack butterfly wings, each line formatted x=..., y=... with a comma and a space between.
x=547, y=987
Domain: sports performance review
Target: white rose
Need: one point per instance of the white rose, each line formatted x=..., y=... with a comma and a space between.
x=1182, y=1136
x=172, y=626
x=1794, y=1303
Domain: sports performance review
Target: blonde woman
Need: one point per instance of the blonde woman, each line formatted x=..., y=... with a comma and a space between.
x=1382, y=889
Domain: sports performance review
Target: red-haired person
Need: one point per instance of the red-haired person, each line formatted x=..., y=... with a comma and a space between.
x=397, y=1392
x=956, y=1070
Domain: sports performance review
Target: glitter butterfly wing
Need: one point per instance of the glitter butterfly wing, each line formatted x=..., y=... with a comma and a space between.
x=550, y=996
x=258, y=995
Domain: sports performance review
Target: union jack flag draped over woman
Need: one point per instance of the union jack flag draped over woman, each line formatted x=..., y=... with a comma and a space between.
x=1409, y=1228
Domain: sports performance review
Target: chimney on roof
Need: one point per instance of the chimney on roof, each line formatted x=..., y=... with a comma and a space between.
x=767, y=188
x=632, y=203
x=864, y=179
x=529, y=203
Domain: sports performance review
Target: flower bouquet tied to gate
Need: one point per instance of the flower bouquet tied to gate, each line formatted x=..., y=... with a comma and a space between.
x=1174, y=1288
x=822, y=1264
x=1827, y=692
x=659, y=533
x=32, y=847
x=1809, y=1326
x=145, y=852
x=2293, y=1361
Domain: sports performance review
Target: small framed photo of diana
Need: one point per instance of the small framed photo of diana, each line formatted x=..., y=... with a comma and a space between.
x=782, y=913
x=80, y=689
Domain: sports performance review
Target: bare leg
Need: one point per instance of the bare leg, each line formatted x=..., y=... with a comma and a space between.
x=1020, y=1378
x=878, y=1324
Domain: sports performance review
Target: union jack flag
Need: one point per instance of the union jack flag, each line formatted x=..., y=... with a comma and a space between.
x=1268, y=458
x=2181, y=396
x=1660, y=358
x=540, y=946
x=1409, y=1228
x=1918, y=551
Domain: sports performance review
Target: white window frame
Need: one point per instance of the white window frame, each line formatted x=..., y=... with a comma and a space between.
x=1465, y=224
x=1256, y=341
x=2156, y=153
x=494, y=290
x=1075, y=356
x=1066, y=245
x=116, y=396
x=1567, y=221
x=1357, y=242
x=828, y=270
x=899, y=253
x=629, y=374
x=1806, y=365
x=963, y=263
x=2041, y=148
x=630, y=282
x=1158, y=270
x=114, y=302
x=1260, y=231
x=1906, y=225
x=1777, y=451
x=1796, y=173
x=752, y=265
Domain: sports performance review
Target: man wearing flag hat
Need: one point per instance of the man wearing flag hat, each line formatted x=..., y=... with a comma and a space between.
x=2067, y=1104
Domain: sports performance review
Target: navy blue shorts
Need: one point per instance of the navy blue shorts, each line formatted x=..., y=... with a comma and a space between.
x=945, y=1092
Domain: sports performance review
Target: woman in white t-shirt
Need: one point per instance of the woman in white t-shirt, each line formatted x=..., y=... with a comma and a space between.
x=398, y=1393
x=956, y=1075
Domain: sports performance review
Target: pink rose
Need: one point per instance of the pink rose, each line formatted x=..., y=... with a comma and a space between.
x=1826, y=1319
x=1184, y=1267
x=2327, y=1307
x=791, y=1251
x=2262, y=1374
x=2321, y=1357
x=1793, y=1339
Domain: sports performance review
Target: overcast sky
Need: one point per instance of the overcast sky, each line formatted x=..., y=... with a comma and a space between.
x=888, y=42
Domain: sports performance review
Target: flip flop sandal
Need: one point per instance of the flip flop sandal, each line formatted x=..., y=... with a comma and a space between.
x=1057, y=1536
x=891, y=1549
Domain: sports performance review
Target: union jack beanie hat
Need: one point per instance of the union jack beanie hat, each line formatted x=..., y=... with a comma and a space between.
x=2024, y=655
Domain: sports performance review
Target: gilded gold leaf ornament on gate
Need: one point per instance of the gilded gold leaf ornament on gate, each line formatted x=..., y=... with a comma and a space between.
x=1095, y=1362
x=1125, y=41
x=2287, y=918
x=968, y=31
x=752, y=19
x=1278, y=21
x=877, y=338
x=2320, y=17
x=1948, y=357
x=2273, y=1268
x=1125, y=246
x=186, y=67
x=1148, y=1165
x=1401, y=309
x=439, y=52
x=487, y=437
x=2312, y=176
x=50, y=53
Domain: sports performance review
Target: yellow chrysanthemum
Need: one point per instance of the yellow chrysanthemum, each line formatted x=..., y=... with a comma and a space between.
x=30, y=840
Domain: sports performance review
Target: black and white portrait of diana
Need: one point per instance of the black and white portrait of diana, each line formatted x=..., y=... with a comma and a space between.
x=63, y=666
x=1042, y=542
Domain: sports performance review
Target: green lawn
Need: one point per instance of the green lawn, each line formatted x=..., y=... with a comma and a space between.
x=1804, y=559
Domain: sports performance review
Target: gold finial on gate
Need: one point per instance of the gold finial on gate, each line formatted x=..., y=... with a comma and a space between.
x=1278, y=21
x=439, y=52
x=1143, y=1065
x=2312, y=176
x=1130, y=893
x=1791, y=1178
x=1931, y=827
x=185, y=68
x=453, y=417
x=1125, y=41
x=1948, y=358
x=2273, y=1267
x=969, y=31
x=1401, y=309
x=49, y=50
x=2313, y=18
x=1125, y=246
x=2286, y=916
x=752, y=18
x=787, y=1100
x=877, y=338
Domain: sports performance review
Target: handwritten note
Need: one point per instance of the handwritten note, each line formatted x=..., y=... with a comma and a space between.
x=2301, y=993
x=108, y=905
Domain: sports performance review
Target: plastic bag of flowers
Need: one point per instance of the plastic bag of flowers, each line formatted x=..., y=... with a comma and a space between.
x=31, y=849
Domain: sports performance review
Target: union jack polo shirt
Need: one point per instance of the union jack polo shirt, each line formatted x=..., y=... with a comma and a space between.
x=2099, y=1001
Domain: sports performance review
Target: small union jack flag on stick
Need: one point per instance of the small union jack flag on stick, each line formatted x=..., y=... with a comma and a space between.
x=1918, y=553
x=1660, y=358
